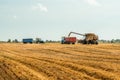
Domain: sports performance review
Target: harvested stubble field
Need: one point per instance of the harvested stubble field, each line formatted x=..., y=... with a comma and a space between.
x=59, y=62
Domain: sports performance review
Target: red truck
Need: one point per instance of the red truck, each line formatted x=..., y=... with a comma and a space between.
x=68, y=40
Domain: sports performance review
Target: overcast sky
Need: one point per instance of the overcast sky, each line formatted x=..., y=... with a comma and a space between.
x=52, y=19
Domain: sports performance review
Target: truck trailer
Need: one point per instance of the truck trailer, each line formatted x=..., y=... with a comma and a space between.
x=27, y=40
x=68, y=40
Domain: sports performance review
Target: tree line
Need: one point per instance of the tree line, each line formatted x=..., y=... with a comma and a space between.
x=53, y=41
x=110, y=41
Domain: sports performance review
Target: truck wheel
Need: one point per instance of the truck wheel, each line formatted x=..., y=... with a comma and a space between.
x=73, y=43
x=84, y=42
x=24, y=43
x=68, y=42
x=89, y=42
x=92, y=42
x=96, y=43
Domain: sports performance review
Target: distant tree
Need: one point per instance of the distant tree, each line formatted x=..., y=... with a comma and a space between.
x=38, y=40
x=112, y=41
x=47, y=41
x=15, y=41
x=9, y=41
x=52, y=41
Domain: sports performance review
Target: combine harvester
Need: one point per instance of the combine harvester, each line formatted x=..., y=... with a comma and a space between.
x=90, y=38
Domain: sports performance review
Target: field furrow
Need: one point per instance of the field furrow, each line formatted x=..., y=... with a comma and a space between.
x=59, y=62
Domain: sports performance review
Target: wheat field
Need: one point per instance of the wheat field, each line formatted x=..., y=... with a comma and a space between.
x=54, y=61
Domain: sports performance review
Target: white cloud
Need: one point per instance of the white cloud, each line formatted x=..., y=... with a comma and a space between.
x=40, y=7
x=93, y=2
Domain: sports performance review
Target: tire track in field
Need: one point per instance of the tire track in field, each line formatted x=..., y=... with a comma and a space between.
x=110, y=47
x=5, y=70
x=89, y=65
x=98, y=74
x=87, y=57
x=71, y=66
x=112, y=61
x=22, y=74
x=83, y=69
x=95, y=55
x=66, y=72
x=78, y=55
